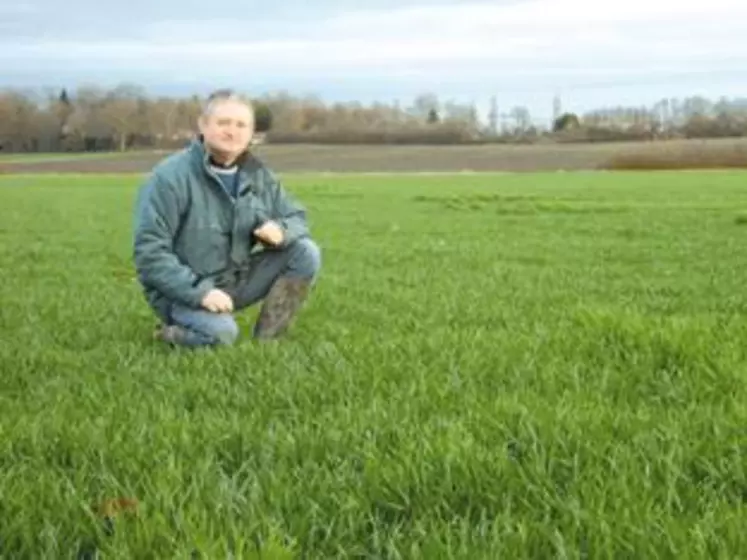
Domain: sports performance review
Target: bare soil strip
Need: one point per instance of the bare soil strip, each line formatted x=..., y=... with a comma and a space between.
x=372, y=159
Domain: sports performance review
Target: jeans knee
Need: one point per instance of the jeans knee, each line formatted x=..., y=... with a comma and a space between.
x=203, y=328
x=307, y=258
x=224, y=330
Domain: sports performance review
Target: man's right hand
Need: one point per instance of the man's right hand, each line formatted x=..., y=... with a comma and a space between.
x=217, y=301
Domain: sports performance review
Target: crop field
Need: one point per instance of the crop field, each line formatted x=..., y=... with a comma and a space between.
x=538, y=365
x=721, y=153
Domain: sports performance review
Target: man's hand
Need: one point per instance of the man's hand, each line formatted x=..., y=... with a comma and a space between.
x=271, y=233
x=217, y=301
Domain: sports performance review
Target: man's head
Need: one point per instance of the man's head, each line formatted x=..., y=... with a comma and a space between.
x=226, y=124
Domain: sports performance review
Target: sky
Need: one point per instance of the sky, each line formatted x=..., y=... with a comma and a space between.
x=524, y=52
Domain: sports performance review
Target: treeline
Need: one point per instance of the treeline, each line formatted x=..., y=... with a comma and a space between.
x=128, y=117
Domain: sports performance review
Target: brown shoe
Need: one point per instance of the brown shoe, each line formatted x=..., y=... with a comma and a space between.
x=279, y=308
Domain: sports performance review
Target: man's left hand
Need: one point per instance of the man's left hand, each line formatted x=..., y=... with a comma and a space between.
x=270, y=233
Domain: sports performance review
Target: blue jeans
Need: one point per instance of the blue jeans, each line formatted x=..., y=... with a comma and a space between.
x=204, y=328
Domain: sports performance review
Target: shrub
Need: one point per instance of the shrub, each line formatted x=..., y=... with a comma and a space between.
x=705, y=155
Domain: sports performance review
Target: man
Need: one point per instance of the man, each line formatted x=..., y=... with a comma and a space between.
x=215, y=232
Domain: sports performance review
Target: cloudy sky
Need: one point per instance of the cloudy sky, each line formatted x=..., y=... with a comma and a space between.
x=522, y=51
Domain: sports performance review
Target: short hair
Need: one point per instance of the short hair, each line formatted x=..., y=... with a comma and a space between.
x=220, y=95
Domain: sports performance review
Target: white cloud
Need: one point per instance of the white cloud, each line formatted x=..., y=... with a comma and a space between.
x=18, y=9
x=528, y=34
x=547, y=43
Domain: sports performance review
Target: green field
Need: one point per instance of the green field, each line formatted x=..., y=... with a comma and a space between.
x=491, y=366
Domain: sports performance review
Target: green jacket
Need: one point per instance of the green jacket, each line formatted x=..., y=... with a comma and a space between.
x=190, y=235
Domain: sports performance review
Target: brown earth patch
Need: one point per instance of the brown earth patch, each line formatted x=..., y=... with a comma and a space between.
x=377, y=158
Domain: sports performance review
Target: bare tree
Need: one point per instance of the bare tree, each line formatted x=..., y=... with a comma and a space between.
x=126, y=117
x=124, y=111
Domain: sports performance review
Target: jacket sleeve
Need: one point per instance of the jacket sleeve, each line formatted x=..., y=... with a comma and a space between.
x=291, y=215
x=158, y=266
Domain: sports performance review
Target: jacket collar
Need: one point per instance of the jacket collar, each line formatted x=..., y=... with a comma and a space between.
x=246, y=162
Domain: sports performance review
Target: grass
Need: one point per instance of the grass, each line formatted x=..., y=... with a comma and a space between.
x=514, y=366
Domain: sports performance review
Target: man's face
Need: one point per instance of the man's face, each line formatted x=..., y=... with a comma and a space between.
x=228, y=129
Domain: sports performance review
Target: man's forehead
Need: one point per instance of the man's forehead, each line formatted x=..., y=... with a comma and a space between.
x=231, y=108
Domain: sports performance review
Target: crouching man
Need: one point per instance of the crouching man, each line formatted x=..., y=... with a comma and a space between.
x=215, y=232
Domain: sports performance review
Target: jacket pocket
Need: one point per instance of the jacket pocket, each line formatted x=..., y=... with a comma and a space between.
x=209, y=249
x=250, y=213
